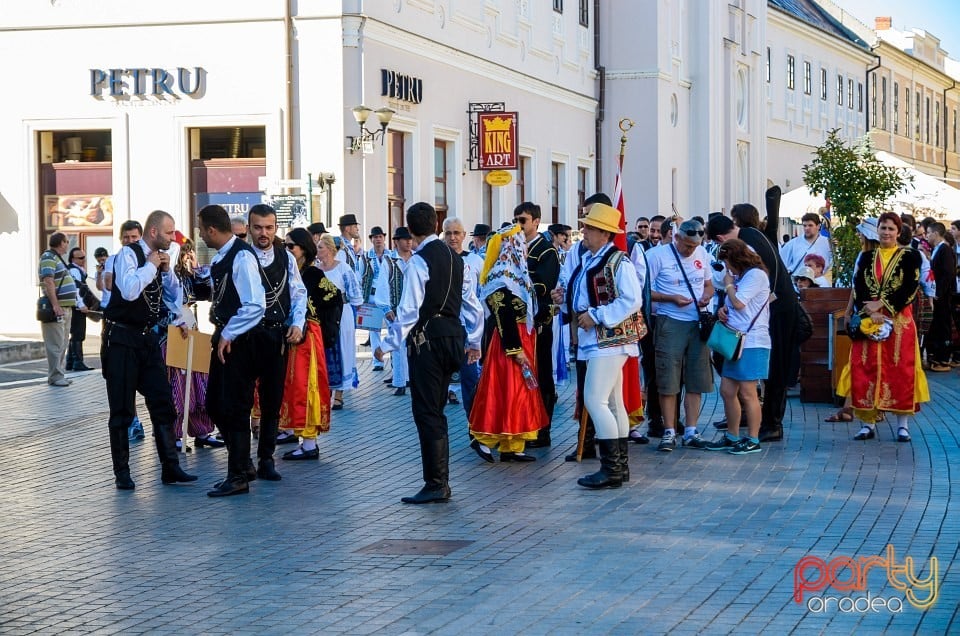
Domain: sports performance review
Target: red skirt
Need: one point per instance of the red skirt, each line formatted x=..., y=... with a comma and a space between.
x=306, y=391
x=504, y=405
x=886, y=376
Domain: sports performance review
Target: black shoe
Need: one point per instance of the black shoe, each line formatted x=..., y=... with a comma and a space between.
x=294, y=455
x=637, y=437
x=388, y=381
x=124, y=482
x=175, y=475
x=610, y=474
x=903, y=435
x=267, y=470
x=866, y=433
x=287, y=438
x=477, y=447
x=543, y=439
x=209, y=440
x=429, y=494
x=517, y=457
x=400, y=391
x=452, y=398
x=771, y=434
x=249, y=474
x=230, y=486
x=79, y=366
x=589, y=452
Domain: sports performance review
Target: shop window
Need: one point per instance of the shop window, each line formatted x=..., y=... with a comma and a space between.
x=523, y=179
x=76, y=187
x=440, y=202
x=226, y=164
x=557, y=175
x=396, y=199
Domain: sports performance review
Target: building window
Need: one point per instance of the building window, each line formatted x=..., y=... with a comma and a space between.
x=558, y=6
x=926, y=127
x=896, y=108
x=850, y=94
x=523, y=179
x=906, y=112
x=556, y=190
x=954, y=130
x=768, y=65
x=823, y=84
x=936, y=124
x=584, y=12
x=807, y=79
x=395, y=180
x=790, y=72
x=859, y=97
x=440, y=180
x=581, y=186
x=916, y=117
x=873, y=100
x=839, y=90
x=883, y=103
x=487, y=204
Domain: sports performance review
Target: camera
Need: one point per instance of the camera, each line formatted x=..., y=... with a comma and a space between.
x=717, y=267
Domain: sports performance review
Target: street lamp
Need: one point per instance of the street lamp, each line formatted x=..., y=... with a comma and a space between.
x=365, y=140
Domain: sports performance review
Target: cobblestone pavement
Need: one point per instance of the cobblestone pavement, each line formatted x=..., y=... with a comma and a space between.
x=697, y=542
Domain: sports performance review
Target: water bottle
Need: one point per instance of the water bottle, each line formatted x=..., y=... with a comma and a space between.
x=528, y=378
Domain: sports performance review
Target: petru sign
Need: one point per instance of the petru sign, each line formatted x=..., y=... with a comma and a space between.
x=157, y=82
x=846, y=574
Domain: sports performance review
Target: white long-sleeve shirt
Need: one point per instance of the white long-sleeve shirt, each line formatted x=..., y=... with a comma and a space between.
x=129, y=279
x=628, y=301
x=415, y=279
x=298, y=292
x=246, y=278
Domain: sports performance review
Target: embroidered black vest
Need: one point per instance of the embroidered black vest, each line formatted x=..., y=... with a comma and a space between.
x=440, y=312
x=276, y=286
x=601, y=285
x=226, y=300
x=145, y=310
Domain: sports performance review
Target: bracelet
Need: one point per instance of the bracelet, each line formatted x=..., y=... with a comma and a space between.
x=729, y=285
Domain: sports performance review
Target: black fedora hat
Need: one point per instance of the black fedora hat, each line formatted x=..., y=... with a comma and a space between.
x=402, y=233
x=377, y=231
x=316, y=228
x=348, y=219
x=481, y=229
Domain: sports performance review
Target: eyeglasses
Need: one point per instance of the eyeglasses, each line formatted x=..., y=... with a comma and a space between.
x=290, y=246
x=693, y=232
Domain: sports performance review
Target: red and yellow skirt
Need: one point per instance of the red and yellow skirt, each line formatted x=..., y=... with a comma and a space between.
x=306, y=391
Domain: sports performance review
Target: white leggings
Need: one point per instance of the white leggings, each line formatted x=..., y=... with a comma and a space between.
x=603, y=396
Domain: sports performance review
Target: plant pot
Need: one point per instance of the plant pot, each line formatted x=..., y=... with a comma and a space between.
x=822, y=356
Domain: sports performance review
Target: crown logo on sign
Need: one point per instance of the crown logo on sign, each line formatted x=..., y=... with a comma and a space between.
x=497, y=124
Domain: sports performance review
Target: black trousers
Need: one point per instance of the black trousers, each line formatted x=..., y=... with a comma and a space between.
x=132, y=364
x=270, y=353
x=649, y=368
x=548, y=391
x=783, y=327
x=939, y=336
x=230, y=386
x=431, y=367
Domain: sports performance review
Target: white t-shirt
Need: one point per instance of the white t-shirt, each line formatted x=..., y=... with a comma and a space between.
x=796, y=249
x=665, y=277
x=753, y=289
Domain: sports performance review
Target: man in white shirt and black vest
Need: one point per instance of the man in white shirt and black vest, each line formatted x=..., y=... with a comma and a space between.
x=283, y=321
x=430, y=329
x=144, y=289
x=239, y=301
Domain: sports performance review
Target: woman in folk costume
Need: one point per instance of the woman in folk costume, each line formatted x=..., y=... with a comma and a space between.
x=507, y=411
x=604, y=297
x=885, y=372
x=306, y=389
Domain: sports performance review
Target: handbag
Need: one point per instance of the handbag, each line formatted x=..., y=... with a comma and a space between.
x=727, y=341
x=45, y=312
x=705, y=319
x=630, y=331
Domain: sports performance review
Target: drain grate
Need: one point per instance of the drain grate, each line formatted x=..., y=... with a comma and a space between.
x=413, y=547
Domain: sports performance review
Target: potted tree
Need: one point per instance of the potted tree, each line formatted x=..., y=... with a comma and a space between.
x=856, y=185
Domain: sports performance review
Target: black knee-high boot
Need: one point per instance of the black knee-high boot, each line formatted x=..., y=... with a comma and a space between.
x=610, y=474
x=120, y=453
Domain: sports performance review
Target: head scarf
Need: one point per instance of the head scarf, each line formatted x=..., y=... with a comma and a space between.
x=506, y=266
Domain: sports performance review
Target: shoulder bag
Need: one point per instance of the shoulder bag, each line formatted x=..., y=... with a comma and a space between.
x=705, y=319
x=45, y=312
x=727, y=341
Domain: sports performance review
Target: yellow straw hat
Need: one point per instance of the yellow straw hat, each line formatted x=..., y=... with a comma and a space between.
x=603, y=217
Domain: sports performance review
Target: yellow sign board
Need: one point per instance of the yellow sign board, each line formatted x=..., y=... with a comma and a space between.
x=498, y=177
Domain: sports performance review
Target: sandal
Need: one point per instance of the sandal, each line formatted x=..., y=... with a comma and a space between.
x=337, y=404
x=843, y=415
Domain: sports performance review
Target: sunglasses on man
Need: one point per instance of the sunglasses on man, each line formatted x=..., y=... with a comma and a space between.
x=692, y=233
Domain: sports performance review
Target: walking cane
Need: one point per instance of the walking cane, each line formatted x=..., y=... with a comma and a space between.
x=186, y=393
x=582, y=434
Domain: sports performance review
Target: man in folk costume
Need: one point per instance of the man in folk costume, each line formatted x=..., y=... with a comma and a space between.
x=561, y=242
x=508, y=410
x=239, y=302
x=403, y=247
x=349, y=231
x=453, y=235
x=543, y=264
x=375, y=281
x=604, y=296
x=430, y=329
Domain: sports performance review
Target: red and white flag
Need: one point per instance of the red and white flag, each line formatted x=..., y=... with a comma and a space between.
x=632, y=395
x=620, y=240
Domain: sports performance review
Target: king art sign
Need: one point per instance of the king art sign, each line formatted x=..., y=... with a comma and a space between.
x=498, y=141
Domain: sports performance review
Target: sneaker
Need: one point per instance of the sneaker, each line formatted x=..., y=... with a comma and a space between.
x=139, y=428
x=725, y=443
x=694, y=441
x=720, y=425
x=667, y=444
x=745, y=447
x=132, y=433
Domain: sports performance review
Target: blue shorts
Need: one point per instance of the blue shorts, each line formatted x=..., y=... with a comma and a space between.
x=754, y=364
